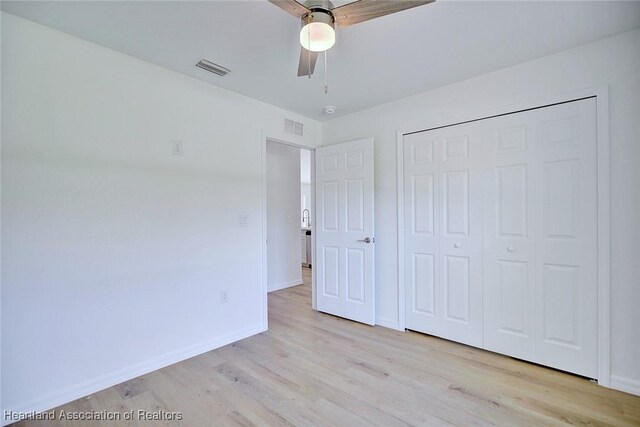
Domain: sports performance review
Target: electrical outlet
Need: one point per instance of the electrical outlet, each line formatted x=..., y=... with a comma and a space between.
x=224, y=296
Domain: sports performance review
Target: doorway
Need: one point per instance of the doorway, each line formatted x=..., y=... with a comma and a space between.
x=342, y=268
x=288, y=215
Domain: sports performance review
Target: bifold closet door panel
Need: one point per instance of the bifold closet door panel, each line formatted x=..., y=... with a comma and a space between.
x=443, y=232
x=509, y=164
x=566, y=238
x=460, y=209
x=540, y=236
x=421, y=225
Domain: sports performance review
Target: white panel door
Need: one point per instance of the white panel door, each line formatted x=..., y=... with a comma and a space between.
x=509, y=162
x=443, y=232
x=422, y=228
x=566, y=238
x=344, y=230
x=540, y=236
x=461, y=233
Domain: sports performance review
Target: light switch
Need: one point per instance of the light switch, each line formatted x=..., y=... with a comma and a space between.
x=177, y=147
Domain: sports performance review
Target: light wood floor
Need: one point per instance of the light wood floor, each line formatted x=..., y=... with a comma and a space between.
x=315, y=369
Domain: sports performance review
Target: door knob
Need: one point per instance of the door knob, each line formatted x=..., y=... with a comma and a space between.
x=456, y=245
x=365, y=240
x=511, y=249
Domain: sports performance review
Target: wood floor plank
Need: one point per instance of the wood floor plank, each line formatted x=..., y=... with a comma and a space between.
x=313, y=369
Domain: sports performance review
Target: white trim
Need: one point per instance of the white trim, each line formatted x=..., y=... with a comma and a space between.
x=263, y=202
x=388, y=323
x=400, y=189
x=101, y=382
x=627, y=385
x=313, y=229
x=285, y=285
x=604, y=237
x=604, y=190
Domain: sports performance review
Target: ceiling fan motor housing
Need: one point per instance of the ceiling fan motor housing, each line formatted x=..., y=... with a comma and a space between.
x=318, y=15
x=320, y=11
x=318, y=29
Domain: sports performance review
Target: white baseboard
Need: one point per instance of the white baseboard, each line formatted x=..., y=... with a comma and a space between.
x=388, y=323
x=284, y=285
x=625, y=384
x=69, y=394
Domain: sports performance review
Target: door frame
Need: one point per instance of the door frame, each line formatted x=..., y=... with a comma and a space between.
x=285, y=140
x=601, y=93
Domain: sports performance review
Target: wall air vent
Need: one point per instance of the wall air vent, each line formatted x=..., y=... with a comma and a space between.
x=294, y=128
x=213, y=68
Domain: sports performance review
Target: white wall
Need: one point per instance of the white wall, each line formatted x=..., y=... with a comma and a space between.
x=114, y=250
x=283, y=221
x=614, y=62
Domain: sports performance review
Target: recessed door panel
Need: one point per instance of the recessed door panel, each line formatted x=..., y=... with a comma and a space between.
x=457, y=285
x=330, y=163
x=355, y=205
x=456, y=147
x=331, y=282
x=422, y=198
x=456, y=202
x=562, y=130
x=355, y=275
x=511, y=188
x=423, y=284
x=561, y=305
x=329, y=206
x=422, y=152
x=355, y=159
x=512, y=282
x=560, y=202
x=511, y=138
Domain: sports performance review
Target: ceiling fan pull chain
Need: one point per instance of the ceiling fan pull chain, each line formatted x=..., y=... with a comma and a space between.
x=326, y=76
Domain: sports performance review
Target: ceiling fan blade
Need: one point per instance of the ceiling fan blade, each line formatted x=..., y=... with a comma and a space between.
x=291, y=6
x=364, y=10
x=307, y=62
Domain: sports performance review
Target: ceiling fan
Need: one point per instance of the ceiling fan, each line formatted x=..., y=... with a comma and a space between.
x=319, y=17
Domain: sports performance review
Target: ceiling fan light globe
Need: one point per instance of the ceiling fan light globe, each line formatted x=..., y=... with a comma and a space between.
x=317, y=36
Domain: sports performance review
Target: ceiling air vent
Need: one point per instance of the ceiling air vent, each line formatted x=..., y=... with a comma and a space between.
x=295, y=128
x=213, y=68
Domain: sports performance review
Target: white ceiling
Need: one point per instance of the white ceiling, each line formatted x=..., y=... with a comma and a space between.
x=372, y=62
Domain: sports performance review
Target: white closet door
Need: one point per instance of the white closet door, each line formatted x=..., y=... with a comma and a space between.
x=443, y=232
x=461, y=233
x=421, y=224
x=566, y=238
x=540, y=241
x=509, y=163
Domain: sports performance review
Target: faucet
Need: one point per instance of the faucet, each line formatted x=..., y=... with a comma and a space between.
x=305, y=216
